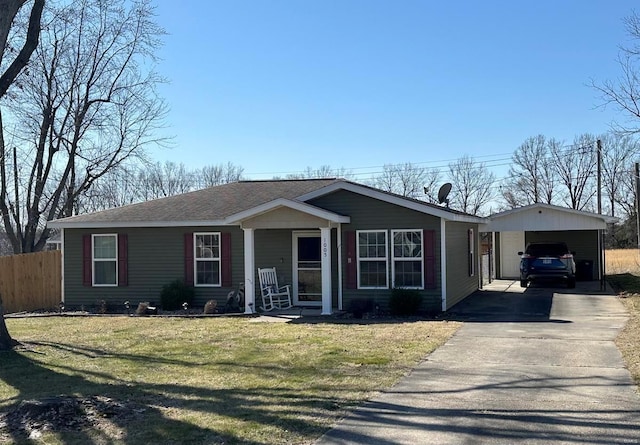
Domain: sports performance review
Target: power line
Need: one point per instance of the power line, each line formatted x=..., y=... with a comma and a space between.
x=441, y=165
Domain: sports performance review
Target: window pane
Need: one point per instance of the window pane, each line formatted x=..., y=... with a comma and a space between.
x=207, y=272
x=104, y=247
x=408, y=274
x=105, y=272
x=207, y=246
x=309, y=282
x=373, y=274
x=407, y=245
x=372, y=245
x=309, y=249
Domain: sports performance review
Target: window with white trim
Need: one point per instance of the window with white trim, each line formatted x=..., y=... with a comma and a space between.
x=372, y=259
x=105, y=260
x=407, y=259
x=207, y=262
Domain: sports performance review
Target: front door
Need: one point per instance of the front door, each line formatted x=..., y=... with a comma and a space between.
x=307, y=269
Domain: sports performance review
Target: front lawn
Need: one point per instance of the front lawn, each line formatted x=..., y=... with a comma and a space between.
x=117, y=380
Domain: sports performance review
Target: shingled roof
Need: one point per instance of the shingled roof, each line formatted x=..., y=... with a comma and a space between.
x=211, y=206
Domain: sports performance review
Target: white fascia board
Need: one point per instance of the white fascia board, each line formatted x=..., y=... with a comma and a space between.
x=62, y=224
x=283, y=202
x=606, y=218
x=399, y=201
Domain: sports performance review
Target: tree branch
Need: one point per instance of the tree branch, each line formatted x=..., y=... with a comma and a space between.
x=30, y=44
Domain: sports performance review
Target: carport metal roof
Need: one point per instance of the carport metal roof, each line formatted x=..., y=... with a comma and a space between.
x=545, y=217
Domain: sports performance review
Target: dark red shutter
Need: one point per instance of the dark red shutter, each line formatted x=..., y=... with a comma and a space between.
x=352, y=266
x=225, y=253
x=429, y=259
x=123, y=260
x=188, y=259
x=86, y=261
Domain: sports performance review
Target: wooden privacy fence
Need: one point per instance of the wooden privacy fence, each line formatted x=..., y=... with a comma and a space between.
x=31, y=281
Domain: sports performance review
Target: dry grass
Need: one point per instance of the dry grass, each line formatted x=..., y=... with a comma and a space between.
x=623, y=269
x=214, y=380
x=621, y=261
x=628, y=341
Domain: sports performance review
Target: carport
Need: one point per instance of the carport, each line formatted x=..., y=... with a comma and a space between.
x=510, y=231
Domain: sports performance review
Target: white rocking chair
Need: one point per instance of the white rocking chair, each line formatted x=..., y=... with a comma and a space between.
x=273, y=296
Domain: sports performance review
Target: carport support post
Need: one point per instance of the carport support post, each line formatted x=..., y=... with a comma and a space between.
x=601, y=268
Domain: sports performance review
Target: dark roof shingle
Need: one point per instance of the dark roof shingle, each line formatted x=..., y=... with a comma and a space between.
x=210, y=204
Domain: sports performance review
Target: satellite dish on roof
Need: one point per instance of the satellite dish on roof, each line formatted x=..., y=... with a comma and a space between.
x=444, y=192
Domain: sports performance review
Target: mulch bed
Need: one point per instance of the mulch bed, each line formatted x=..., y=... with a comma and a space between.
x=32, y=418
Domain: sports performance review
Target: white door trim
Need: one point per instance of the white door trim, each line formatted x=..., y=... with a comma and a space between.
x=296, y=234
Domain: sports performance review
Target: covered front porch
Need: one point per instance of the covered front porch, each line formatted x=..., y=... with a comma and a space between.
x=303, y=243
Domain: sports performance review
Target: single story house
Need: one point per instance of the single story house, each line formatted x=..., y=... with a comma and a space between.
x=582, y=231
x=333, y=240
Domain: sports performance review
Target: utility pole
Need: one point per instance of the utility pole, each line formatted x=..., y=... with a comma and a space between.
x=600, y=232
x=599, y=154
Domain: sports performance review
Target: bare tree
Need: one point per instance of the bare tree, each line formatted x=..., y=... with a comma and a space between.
x=531, y=177
x=618, y=152
x=131, y=183
x=409, y=180
x=626, y=198
x=160, y=180
x=575, y=169
x=212, y=175
x=8, y=11
x=324, y=171
x=472, y=185
x=432, y=183
x=88, y=105
x=118, y=187
x=624, y=92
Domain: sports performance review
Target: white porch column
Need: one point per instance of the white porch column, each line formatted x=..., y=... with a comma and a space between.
x=249, y=272
x=325, y=246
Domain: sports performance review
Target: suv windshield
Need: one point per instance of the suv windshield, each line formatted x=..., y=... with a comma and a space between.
x=551, y=249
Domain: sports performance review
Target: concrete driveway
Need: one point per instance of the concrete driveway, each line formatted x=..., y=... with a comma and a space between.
x=534, y=366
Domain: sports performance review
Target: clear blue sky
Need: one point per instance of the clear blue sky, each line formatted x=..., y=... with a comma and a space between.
x=276, y=86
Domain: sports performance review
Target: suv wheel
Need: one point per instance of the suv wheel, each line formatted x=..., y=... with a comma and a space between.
x=523, y=283
x=571, y=283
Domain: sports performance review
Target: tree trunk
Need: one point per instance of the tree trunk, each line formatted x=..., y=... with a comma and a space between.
x=6, y=342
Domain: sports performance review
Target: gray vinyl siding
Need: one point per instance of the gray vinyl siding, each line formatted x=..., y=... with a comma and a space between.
x=583, y=242
x=459, y=283
x=371, y=214
x=155, y=258
x=273, y=249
